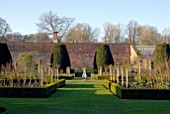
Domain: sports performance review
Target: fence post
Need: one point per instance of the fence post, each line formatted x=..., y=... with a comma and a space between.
x=68, y=71
x=51, y=74
x=110, y=72
x=47, y=73
x=42, y=76
x=114, y=74
x=139, y=74
x=54, y=74
x=57, y=72
x=127, y=80
x=122, y=76
x=100, y=71
x=118, y=75
x=36, y=73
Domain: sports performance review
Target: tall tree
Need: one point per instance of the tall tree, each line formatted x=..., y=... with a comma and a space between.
x=4, y=29
x=132, y=31
x=82, y=33
x=15, y=37
x=50, y=22
x=148, y=35
x=166, y=35
x=60, y=58
x=103, y=56
x=39, y=38
x=36, y=38
x=113, y=33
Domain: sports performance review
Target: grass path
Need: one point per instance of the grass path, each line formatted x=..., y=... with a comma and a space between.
x=79, y=97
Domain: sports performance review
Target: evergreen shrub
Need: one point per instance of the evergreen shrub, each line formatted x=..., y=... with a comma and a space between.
x=161, y=56
x=103, y=56
x=60, y=57
x=26, y=60
x=5, y=55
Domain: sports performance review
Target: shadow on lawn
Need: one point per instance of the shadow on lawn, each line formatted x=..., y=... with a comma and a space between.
x=79, y=86
x=2, y=109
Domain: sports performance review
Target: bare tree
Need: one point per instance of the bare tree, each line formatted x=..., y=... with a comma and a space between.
x=148, y=35
x=113, y=33
x=166, y=35
x=50, y=22
x=132, y=30
x=4, y=29
x=82, y=33
x=15, y=37
x=38, y=38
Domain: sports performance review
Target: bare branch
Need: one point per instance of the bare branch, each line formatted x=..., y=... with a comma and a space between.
x=50, y=22
x=112, y=33
x=82, y=33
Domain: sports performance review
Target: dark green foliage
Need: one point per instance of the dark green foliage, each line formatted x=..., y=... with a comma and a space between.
x=26, y=60
x=60, y=57
x=103, y=56
x=27, y=92
x=157, y=94
x=66, y=77
x=94, y=71
x=5, y=56
x=2, y=109
x=138, y=52
x=102, y=77
x=161, y=56
x=107, y=83
x=136, y=93
x=61, y=83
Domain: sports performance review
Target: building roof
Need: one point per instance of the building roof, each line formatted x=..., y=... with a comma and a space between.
x=81, y=54
x=145, y=50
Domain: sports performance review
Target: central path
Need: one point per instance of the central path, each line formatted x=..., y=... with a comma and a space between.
x=78, y=85
x=87, y=97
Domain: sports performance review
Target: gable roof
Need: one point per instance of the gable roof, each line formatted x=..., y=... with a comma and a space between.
x=146, y=50
x=80, y=54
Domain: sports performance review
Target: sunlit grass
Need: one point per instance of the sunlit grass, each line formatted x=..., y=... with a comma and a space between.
x=79, y=97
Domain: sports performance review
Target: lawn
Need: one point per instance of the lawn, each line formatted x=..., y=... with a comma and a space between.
x=79, y=97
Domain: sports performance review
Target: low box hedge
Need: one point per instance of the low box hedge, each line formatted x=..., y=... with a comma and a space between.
x=79, y=74
x=116, y=89
x=66, y=77
x=159, y=94
x=106, y=83
x=61, y=83
x=135, y=93
x=102, y=77
x=39, y=92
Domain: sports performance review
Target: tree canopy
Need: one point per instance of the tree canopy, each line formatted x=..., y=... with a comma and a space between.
x=82, y=33
x=60, y=58
x=103, y=56
x=4, y=29
x=50, y=22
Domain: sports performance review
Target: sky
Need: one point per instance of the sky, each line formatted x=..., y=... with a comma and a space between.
x=22, y=15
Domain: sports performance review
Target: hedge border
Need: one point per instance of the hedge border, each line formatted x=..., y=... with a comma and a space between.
x=39, y=92
x=132, y=93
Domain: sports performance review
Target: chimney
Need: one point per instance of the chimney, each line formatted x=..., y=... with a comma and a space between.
x=56, y=38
